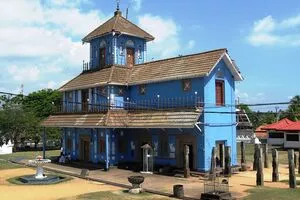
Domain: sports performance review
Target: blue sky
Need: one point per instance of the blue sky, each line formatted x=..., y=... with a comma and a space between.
x=41, y=39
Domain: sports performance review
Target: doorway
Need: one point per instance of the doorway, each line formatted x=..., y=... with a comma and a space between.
x=130, y=57
x=191, y=155
x=84, y=100
x=85, y=149
x=102, y=57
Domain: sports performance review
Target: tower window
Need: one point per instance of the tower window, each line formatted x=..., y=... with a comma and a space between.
x=220, y=93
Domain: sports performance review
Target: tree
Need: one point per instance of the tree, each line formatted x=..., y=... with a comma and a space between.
x=294, y=108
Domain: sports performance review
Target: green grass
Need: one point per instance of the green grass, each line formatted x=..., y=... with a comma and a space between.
x=29, y=154
x=273, y=194
x=4, y=164
x=282, y=155
x=116, y=195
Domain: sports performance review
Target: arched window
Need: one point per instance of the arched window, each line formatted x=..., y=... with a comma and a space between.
x=129, y=43
x=220, y=74
x=102, y=44
x=102, y=52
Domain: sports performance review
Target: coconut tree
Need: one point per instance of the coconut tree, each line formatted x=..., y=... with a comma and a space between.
x=294, y=108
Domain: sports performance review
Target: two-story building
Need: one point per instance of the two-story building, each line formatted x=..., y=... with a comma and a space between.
x=120, y=102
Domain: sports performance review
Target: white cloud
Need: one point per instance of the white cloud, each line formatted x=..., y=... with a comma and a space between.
x=165, y=31
x=191, y=44
x=24, y=74
x=137, y=4
x=269, y=32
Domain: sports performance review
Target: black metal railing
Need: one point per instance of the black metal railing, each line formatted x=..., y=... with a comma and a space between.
x=134, y=105
x=86, y=66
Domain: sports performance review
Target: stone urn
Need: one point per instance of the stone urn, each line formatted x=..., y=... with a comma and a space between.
x=136, y=182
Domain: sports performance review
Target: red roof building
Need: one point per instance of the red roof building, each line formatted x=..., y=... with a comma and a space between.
x=279, y=125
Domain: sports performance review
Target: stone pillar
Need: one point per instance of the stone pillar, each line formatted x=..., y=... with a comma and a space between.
x=266, y=156
x=299, y=162
x=222, y=156
x=186, y=162
x=295, y=159
x=243, y=157
x=259, y=168
x=292, y=177
x=275, y=174
x=44, y=143
x=213, y=162
x=227, y=170
x=256, y=146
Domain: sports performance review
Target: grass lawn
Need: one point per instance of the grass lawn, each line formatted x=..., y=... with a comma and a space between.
x=116, y=195
x=4, y=164
x=282, y=155
x=273, y=194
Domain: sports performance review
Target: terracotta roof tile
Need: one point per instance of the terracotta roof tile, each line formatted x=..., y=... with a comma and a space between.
x=189, y=66
x=278, y=125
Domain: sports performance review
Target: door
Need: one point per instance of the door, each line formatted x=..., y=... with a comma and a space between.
x=102, y=57
x=84, y=100
x=191, y=155
x=130, y=57
x=86, y=150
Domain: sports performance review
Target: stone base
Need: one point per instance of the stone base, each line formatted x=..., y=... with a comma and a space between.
x=135, y=190
x=187, y=173
x=31, y=180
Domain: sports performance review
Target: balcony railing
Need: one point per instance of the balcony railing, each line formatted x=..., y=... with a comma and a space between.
x=180, y=103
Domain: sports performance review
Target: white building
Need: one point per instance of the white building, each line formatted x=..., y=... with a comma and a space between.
x=6, y=148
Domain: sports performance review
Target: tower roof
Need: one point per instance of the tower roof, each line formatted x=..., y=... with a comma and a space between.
x=120, y=25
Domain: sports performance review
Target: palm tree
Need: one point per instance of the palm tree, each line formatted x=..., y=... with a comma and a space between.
x=294, y=108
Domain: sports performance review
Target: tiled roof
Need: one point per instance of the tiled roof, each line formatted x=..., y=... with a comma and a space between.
x=118, y=24
x=182, y=67
x=116, y=75
x=295, y=126
x=124, y=119
x=278, y=125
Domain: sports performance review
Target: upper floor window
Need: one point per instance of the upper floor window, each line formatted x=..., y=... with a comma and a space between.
x=70, y=96
x=129, y=43
x=220, y=93
x=102, y=57
x=186, y=85
x=142, y=89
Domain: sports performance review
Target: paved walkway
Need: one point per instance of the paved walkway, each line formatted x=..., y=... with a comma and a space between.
x=193, y=187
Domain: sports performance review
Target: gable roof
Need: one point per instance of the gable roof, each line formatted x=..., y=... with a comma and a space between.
x=182, y=67
x=120, y=25
x=295, y=126
x=279, y=125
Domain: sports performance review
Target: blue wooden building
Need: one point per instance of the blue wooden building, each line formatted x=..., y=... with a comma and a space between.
x=120, y=102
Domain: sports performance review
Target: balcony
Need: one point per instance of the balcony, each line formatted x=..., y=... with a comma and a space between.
x=157, y=104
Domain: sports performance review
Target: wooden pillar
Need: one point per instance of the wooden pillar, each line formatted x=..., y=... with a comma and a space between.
x=275, y=174
x=186, y=162
x=106, y=150
x=292, y=177
x=259, y=168
x=227, y=170
x=256, y=146
x=44, y=143
x=213, y=162
x=222, y=156
x=266, y=156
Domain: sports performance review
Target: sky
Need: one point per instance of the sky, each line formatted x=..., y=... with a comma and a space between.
x=40, y=40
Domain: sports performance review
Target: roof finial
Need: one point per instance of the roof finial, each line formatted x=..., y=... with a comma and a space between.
x=118, y=5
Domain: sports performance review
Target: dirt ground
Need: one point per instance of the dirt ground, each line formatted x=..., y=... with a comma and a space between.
x=46, y=192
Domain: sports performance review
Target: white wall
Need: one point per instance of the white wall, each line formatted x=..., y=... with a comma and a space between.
x=291, y=144
x=6, y=149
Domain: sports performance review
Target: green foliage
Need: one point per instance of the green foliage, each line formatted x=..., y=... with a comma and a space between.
x=20, y=116
x=294, y=108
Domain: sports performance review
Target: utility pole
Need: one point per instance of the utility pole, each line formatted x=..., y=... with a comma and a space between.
x=277, y=114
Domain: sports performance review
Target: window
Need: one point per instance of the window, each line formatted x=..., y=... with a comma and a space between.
x=186, y=85
x=122, y=146
x=164, y=145
x=220, y=93
x=142, y=89
x=101, y=145
x=292, y=137
x=276, y=135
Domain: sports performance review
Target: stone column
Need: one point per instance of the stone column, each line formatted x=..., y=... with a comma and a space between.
x=243, y=157
x=213, y=163
x=295, y=159
x=256, y=146
x=275, y=174
x=259, y=168
x=292, y=177
x=299, y=162
x=222, y=157
x=227, y=170
x=186, y=162
x=266, y=156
